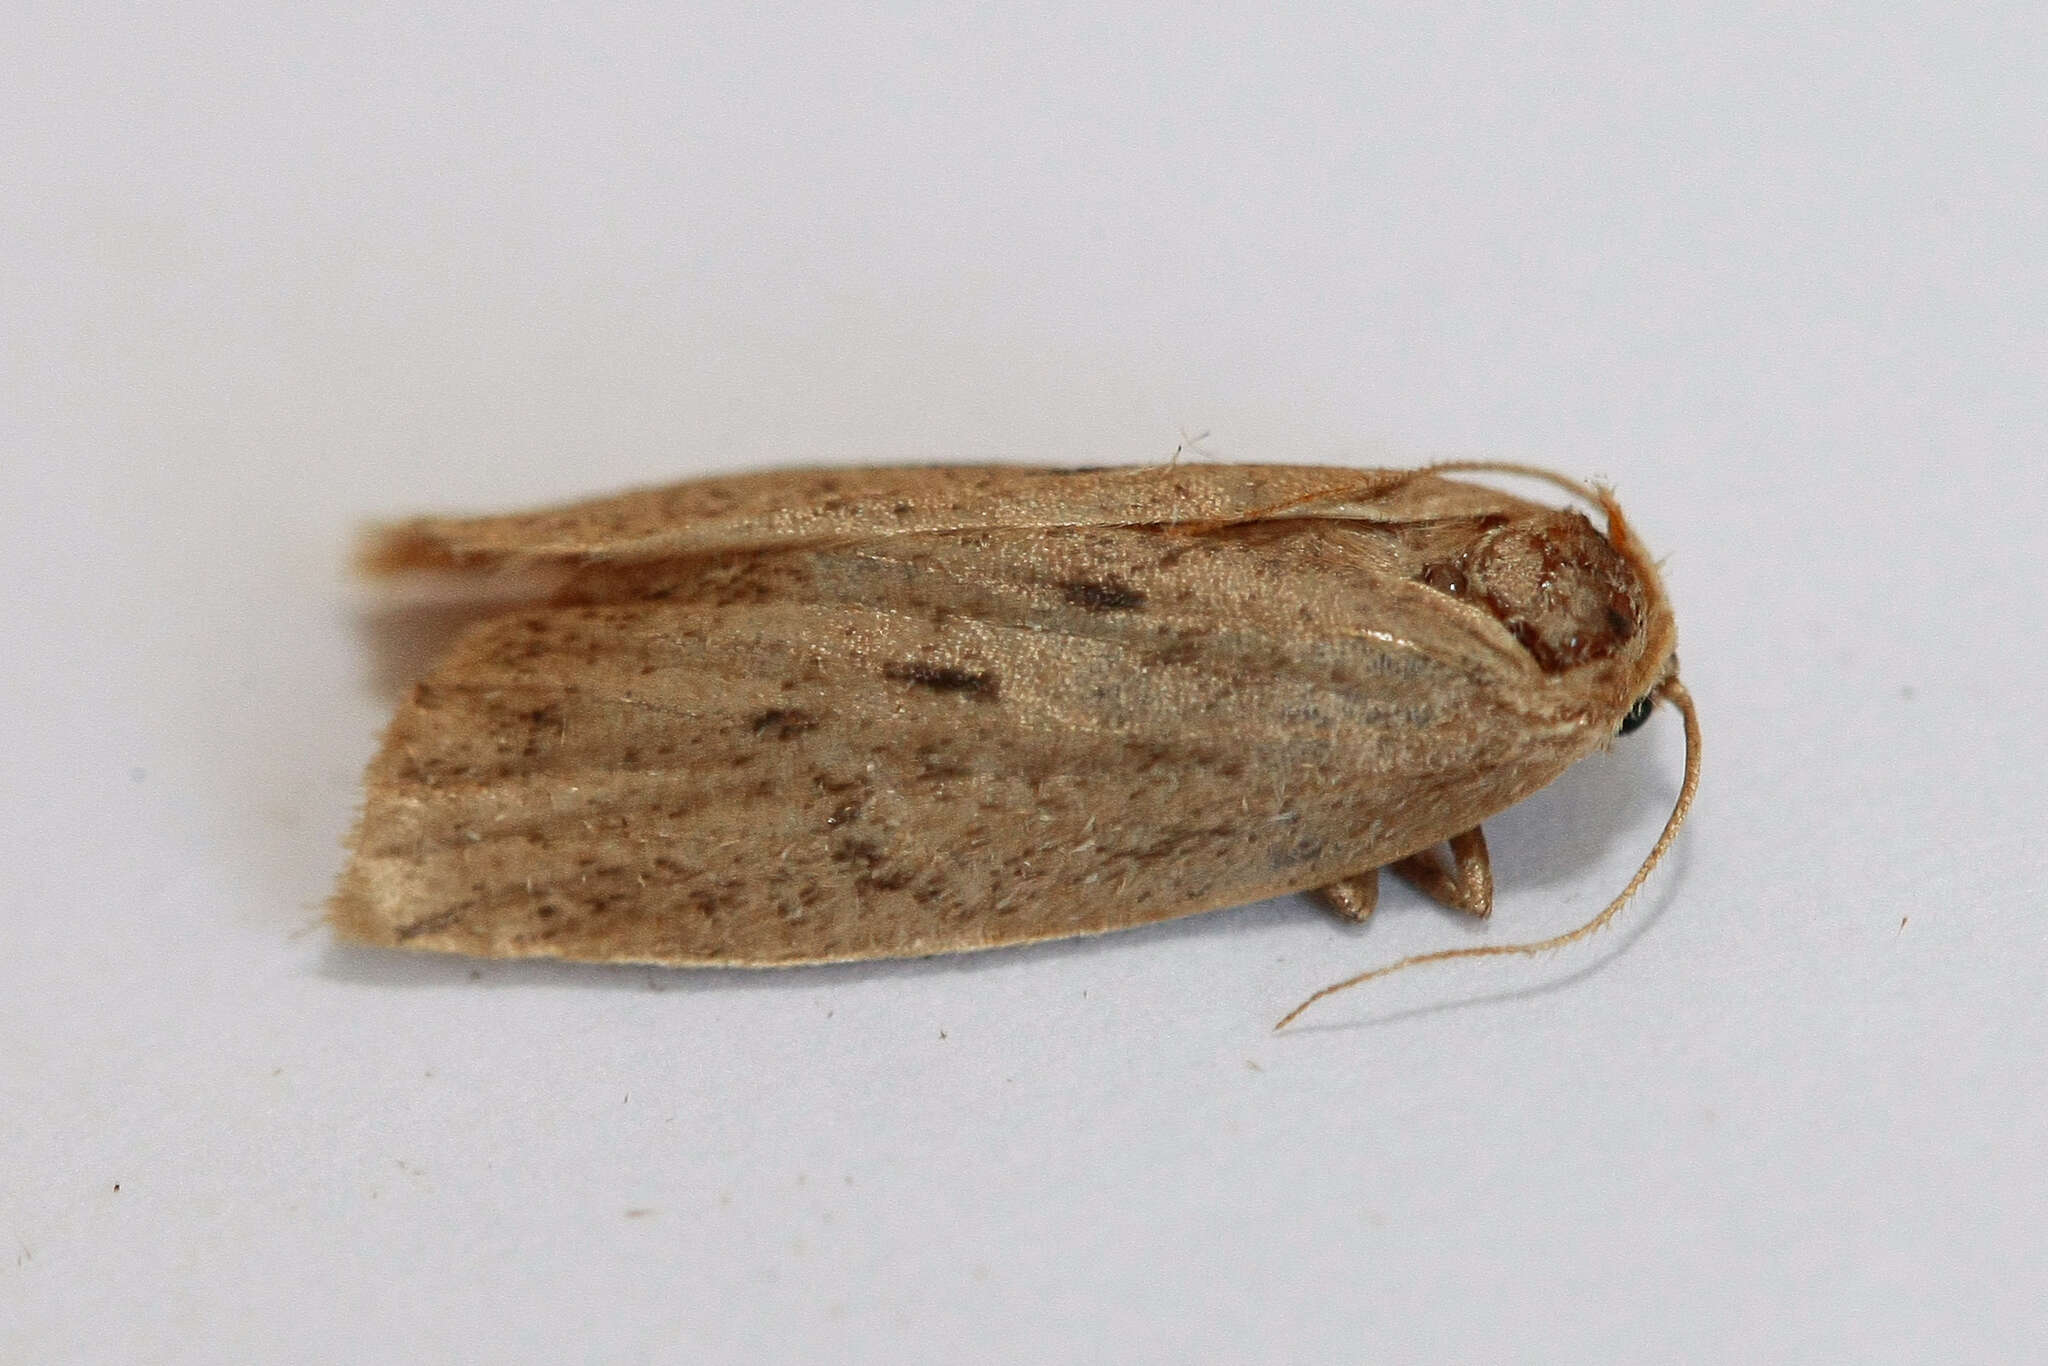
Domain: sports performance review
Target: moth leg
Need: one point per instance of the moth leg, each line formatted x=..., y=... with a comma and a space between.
x=1353, y=897
x=1466, y=886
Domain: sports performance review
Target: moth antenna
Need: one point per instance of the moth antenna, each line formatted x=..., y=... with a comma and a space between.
x=1596, y=494
x=1591, y=493
x=1670, y=690
x=1617, y=528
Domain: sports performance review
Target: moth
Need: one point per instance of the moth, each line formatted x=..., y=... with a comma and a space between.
x=808, y=717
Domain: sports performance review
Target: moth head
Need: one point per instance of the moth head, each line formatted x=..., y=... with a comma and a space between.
x=1559, y=586
x=1582, y=600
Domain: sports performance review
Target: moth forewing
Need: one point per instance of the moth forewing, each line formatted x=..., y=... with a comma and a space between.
x=831, y=715
x=764, y=511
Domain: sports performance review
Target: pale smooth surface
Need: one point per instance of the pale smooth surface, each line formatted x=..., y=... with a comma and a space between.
x=267, y=271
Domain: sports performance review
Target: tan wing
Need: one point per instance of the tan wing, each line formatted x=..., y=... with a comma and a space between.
x=932, y=743
x=801, y=507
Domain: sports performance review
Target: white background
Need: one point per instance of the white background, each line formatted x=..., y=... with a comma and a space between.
x=1777, y=272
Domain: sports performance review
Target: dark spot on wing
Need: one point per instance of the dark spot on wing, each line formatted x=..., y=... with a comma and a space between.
x=1107, y=595
x=782, y=724
x=982, y=686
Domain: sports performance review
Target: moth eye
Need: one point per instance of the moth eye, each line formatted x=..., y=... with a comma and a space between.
x=1639, y=713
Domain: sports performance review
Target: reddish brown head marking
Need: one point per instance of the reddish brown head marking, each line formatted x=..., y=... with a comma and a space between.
x=1561, y=589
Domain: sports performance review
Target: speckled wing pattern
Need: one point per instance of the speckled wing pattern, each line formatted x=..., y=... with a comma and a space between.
x=763, y=736
x=799, y=507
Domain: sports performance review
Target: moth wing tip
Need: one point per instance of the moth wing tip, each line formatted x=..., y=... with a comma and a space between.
x=389, y=549
x=350, y=915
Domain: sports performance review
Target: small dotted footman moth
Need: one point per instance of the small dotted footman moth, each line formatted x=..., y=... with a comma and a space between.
x=825, y=715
